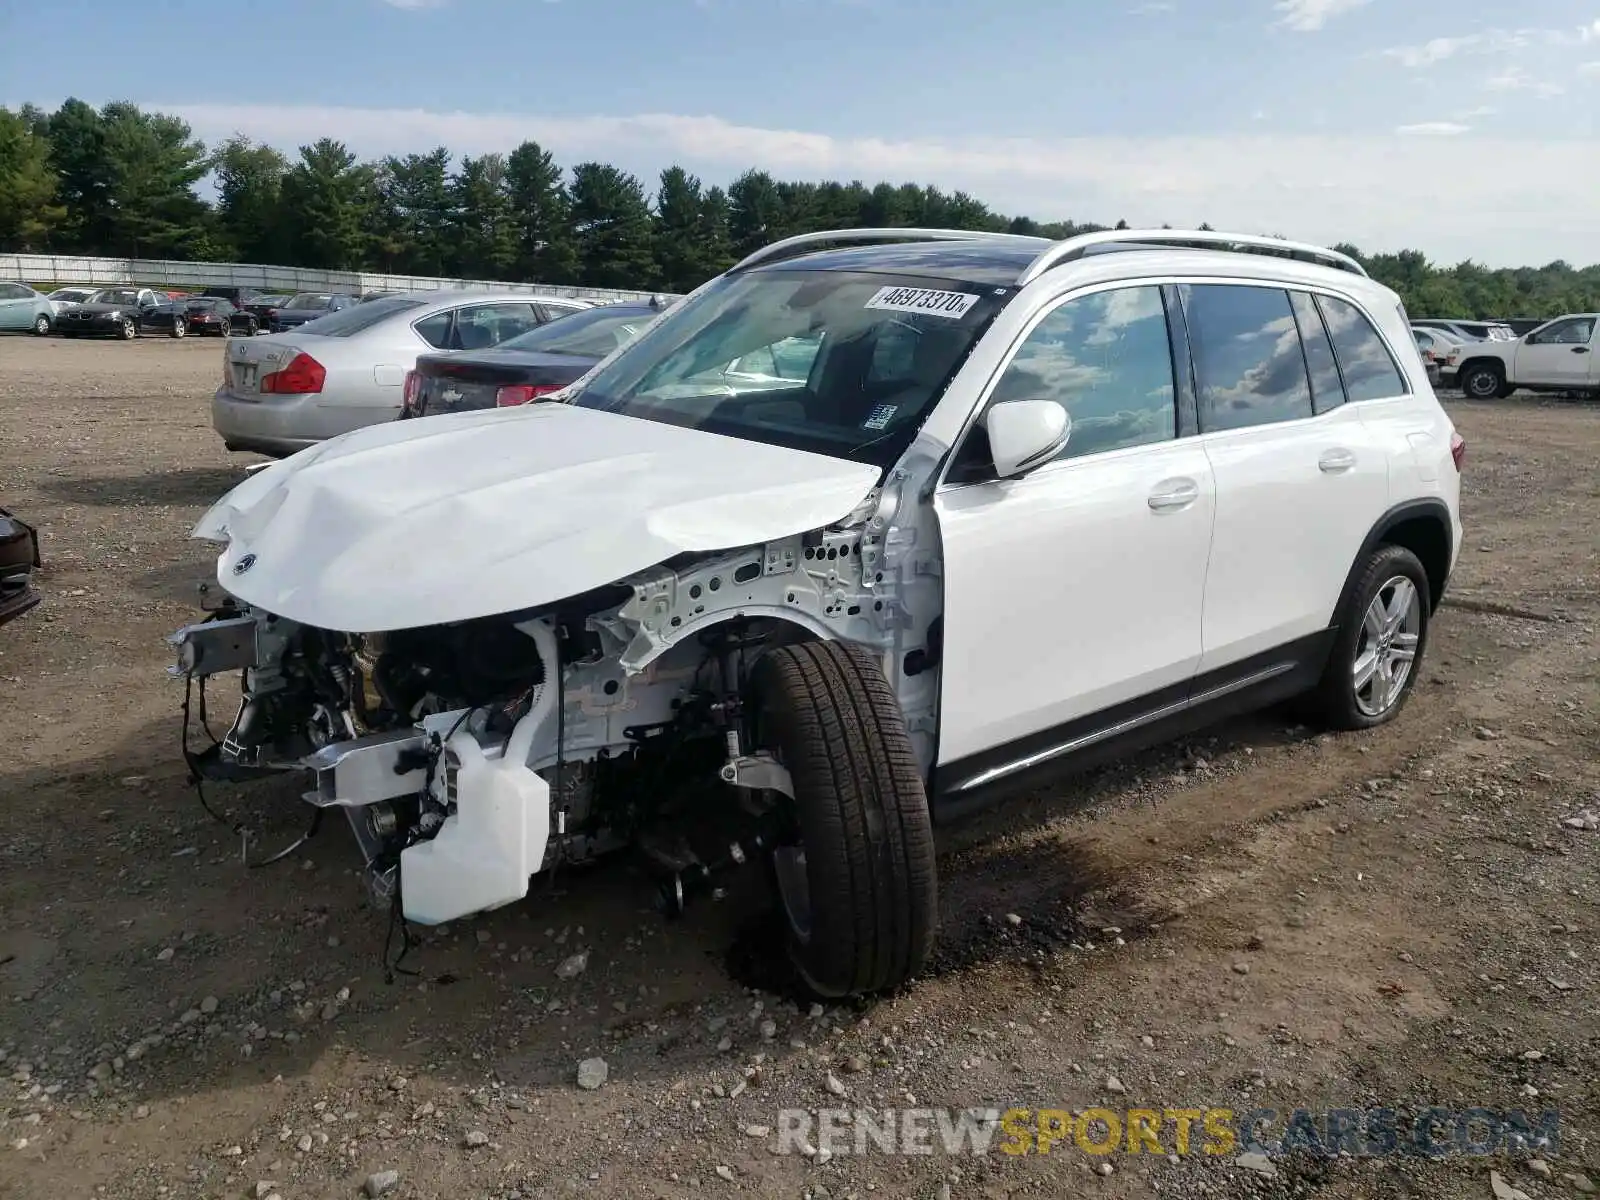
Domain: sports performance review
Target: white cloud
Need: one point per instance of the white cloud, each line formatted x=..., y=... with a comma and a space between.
x=1432, y=129
x=1490, y=41
x=1515, y=79
x=1307, y=16
x=1590, y=68
x=1153, y=9
x=1378, y=191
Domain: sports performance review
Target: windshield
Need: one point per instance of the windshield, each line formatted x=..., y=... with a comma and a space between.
x=69, y=294
x=348, y=321
x=116, y=296
x=310, y=300
x=843, y=363
x=592, y=333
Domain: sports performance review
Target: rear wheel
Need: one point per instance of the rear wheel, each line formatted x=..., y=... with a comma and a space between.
x=1383, y=631
x=856, y=881
x=1482, y=381
x=41, y=325
x=178, y=327
x=128, y=330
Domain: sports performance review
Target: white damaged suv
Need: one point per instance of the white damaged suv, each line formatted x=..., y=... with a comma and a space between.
x=867, y=530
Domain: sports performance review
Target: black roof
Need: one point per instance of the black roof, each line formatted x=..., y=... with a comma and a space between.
x=991, y=263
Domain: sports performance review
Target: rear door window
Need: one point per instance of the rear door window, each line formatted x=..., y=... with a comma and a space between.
x=1249, y=366
x=487, y=325
x=1327, y=389
x=1368, y=368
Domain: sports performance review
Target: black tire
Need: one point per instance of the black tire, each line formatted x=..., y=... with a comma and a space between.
x=41, y=325
x=861, y=812
x=1337, y=701
x=127, y=331
x=1482, y=381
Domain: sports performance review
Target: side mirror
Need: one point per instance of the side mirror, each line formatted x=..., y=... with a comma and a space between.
x=1024, y=434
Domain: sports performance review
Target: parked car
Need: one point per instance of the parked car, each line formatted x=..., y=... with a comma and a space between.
x=286, y=391
x=23, y=308
x=1026, y=505
x=1440, y=352
x=62, y=297
x=366, y=296
x=1469, y=331
x=119, y=312
x=219, y=317
x=308, y=306
x=19, y=559
x=239, y=297
x=265, y=308
x=528, y=366
x=1560, y=356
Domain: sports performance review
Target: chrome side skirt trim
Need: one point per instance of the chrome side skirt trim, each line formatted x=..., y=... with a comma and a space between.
x=1126, y=726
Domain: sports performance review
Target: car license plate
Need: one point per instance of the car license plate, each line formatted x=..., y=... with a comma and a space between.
x=244, y=374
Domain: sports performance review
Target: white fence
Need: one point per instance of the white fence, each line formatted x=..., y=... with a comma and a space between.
x=58, y=270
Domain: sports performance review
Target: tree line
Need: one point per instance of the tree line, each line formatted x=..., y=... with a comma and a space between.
x=122, y=181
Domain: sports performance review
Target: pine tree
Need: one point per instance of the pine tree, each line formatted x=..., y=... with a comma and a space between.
x=541, y=212
x=486, y=231
x=330, y=195
x=417, y=189
x=611, y=221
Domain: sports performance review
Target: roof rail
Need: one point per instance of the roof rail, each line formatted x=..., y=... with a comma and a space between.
x=793, y=246
x=1073, y=248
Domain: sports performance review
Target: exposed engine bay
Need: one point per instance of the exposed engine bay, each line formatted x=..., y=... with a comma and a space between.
x=471, y=756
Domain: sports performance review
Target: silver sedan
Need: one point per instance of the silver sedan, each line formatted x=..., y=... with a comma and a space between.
x=287, y=391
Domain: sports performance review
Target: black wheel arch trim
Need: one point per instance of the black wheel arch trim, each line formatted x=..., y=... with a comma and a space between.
x=1428, y=507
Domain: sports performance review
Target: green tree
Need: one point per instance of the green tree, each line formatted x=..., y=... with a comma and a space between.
x=330, y=196
x=417, y=189
x=152, y=165
x=716, y=249
x=541, y=213
x=611, y=223
x=28, y=207
x=679, y=238
x=755, y=212
x=78, y=151
x=486, y=239
x=250, y=199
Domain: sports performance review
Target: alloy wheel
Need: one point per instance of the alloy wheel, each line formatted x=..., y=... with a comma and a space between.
x=1387, y=646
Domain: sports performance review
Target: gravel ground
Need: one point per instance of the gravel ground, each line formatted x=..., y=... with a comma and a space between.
x=1259, y=917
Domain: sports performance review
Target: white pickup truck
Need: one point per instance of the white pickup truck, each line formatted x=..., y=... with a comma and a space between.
x=1559, y=356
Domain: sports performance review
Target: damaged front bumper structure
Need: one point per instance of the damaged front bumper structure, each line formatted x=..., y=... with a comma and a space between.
x=460, y=818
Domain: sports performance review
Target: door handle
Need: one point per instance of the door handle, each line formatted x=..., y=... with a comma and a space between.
x=1580, y=349
x=1334, y=461
x=1174, y=494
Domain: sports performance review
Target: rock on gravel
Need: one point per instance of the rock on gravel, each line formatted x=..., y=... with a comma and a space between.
x=380, y=1183
x=475, y=1138
x=1259, y=1163
x=592, y=1072
x=1503, y=1190
x=573, y=966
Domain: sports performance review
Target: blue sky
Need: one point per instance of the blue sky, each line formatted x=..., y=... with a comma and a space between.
x=1465, y=128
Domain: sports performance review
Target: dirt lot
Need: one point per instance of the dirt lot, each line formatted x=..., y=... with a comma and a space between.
x=1259, y=918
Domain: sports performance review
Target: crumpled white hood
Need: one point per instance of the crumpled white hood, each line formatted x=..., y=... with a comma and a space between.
x=466, y=515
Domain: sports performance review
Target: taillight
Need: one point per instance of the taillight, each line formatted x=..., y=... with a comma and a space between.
x=412, y=389
x=304, y=374
x=522, y=393
x=1458, y=449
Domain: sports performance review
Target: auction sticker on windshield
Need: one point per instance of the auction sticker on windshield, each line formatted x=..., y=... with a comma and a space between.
x=953, y=305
